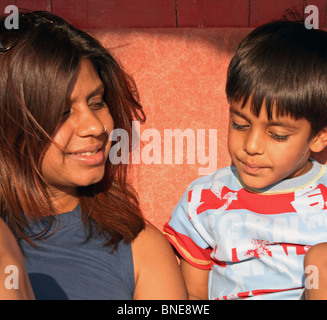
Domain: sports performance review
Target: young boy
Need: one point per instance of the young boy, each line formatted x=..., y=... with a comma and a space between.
x=243, y=231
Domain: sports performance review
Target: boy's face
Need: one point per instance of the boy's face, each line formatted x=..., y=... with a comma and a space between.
x=267, y=151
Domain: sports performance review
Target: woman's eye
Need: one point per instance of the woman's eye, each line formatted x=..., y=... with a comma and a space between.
x=97, y=105
x=65, y=114
x=278, y=137
x=239, y=127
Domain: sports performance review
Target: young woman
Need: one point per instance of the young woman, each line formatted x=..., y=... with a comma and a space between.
x=77, y=220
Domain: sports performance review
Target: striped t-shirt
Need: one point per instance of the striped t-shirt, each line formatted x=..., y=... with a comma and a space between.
x=253, y=242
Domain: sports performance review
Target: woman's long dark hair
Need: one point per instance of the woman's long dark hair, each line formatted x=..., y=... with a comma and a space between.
x=38, y=62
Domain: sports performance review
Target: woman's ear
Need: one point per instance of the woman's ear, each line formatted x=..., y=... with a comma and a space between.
x=319, y=142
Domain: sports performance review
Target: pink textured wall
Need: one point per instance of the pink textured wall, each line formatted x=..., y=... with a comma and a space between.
x=181, y=76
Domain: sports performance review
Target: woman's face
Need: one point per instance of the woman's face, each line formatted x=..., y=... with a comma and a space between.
x=80, y=147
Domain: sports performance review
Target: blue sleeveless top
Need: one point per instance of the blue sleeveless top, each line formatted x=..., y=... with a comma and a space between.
x=66, y=267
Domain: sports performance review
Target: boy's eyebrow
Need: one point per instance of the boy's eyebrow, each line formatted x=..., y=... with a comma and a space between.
x=271, y=123
x=282, y=124
x=238, y=113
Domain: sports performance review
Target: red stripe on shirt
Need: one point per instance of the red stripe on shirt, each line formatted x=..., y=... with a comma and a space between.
x=255, y=202
x=190, y=251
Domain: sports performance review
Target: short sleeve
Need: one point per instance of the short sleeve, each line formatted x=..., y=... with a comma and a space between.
x=184, y=233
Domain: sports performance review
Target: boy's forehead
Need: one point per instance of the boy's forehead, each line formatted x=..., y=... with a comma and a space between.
x=248, y=108
x=279, y=119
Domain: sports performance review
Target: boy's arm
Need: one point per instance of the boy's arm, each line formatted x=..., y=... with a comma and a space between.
x=190, y=245
x=196, y=281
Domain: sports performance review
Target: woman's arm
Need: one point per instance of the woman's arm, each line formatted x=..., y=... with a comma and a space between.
x=315, y=269
x=157, y=273
x=14, y=281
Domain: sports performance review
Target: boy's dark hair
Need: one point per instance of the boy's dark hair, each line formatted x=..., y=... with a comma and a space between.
x=282, y=63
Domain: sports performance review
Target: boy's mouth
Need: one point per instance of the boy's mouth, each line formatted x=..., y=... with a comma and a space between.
x=251, y=168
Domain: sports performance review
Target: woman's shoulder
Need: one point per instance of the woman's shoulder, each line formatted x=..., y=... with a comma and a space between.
x=8, y=243
x=156, y=263
x=150, y=243
x=150, y=232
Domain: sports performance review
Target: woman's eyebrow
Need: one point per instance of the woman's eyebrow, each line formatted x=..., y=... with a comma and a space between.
x=98, y=90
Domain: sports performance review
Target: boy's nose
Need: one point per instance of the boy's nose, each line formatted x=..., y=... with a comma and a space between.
x=254, y=143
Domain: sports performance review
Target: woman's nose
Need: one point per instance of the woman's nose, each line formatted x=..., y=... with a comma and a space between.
x=88, y=124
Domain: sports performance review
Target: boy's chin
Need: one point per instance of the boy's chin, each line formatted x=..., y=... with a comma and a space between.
x=254, y=183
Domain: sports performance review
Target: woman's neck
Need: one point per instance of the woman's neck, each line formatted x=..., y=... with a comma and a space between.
x=64, y=200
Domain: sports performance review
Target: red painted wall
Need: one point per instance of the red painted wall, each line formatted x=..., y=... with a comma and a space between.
x=99, y=14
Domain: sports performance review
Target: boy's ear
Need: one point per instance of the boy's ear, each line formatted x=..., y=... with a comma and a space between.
x=319, y=142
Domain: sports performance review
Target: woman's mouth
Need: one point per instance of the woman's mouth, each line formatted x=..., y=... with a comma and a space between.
x=86, y=153
x=90, y=156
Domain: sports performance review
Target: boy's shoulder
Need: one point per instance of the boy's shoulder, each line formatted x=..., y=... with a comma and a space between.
x=323, y=174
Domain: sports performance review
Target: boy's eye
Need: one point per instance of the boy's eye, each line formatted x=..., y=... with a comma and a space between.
x=278, y=137
x=239, y=127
